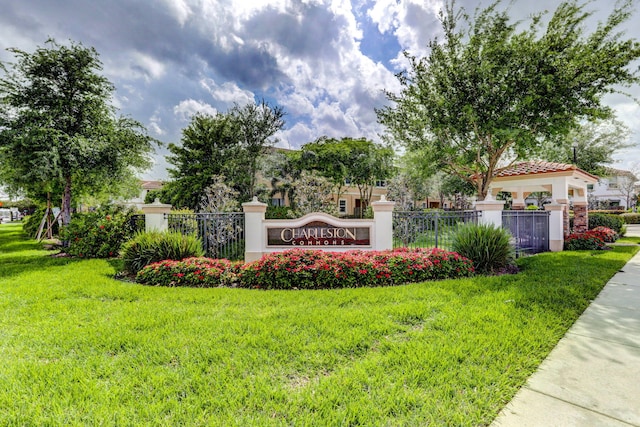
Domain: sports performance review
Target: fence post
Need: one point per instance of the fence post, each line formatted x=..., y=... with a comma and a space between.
x=556, y=225
x=491, y=210
x=383, y=217
x=253, y=234
x=155, y=216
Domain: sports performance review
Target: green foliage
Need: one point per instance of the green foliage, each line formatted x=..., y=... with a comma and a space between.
x=450, y=352
x=488, y=246
x=493, y=88
x=59, y=133
x=31, y=223
x=314, y=269
x=631, y=218
x=225, y=144
x=588, y=241
x=278, y=212
x=191, y=272
x=98, y=234
x=614, y=222
x=148, y=247
x=361, y=161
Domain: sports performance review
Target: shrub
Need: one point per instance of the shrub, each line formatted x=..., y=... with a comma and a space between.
x=149, y=247
x=278, y=212
x=198, y=272
x=98, y=234
x=488, y=246
x=314, y=269
x=631, y=218
x=588, y=241
x=614, y=222
x=606, y=234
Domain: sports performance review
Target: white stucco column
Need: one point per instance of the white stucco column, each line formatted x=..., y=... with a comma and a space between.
x=556, y=226
x=491, y=210
x=383, y=217
x=155, y=216
x=253, y=230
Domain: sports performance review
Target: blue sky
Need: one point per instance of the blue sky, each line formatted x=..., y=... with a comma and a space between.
x=326, y=62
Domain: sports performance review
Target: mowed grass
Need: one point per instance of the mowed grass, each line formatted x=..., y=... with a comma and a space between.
x=80, y=348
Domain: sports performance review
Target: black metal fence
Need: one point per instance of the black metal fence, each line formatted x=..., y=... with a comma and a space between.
x=222, y=234
x=530, y=230
x=428, y=229
x=136, y=223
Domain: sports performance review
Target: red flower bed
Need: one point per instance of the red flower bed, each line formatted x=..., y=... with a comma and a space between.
x=197, y=272
x=312, y=269
x=589, y=240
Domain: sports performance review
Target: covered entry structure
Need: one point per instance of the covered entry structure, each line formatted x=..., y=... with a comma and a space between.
x=563, y=181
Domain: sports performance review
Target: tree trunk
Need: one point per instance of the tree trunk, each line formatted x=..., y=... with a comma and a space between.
x=66, y=202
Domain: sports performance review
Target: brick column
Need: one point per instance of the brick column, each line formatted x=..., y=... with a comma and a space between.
x=580, y=217
x=565, y=218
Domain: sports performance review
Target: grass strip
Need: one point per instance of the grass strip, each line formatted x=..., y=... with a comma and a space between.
x=80, y=348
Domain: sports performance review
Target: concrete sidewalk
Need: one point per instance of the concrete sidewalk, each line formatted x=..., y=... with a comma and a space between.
x=592, y=377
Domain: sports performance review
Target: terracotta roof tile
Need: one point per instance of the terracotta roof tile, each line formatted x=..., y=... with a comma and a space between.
x=532, y=168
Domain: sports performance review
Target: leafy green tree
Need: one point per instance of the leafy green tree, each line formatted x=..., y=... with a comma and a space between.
x=228, y=144
x=208, y=149
x=360, y=161
x=491, y=92
x=595, y=143
x=256, y=125
x=59, y=134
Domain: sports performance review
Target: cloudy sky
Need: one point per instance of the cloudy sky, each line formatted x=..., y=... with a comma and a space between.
x=326, y=62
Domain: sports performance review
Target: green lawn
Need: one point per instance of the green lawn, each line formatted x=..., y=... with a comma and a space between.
x=80, y=348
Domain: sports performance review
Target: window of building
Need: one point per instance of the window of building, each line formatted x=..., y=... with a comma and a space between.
x=342, y=206
x=381, y=183
x=277, y=202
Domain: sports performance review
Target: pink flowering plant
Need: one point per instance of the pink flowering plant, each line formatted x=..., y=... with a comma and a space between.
x=605, y=233
x=197, y=272
x=589, y=240
x=313, y=269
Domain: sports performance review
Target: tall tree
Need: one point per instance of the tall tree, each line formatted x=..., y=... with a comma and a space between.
x=592, y=145
x=256, y=126
x=228, y=144
x=58, y=131
x=208, y=149
x=489, y=93
x=359, y=160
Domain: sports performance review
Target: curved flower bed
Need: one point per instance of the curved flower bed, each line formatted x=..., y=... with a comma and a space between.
x=312, y=269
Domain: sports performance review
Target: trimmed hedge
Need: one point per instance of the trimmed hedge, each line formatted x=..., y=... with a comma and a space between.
x=614, y=222
x=589, y=241
x=631, y=218
x=197, y=272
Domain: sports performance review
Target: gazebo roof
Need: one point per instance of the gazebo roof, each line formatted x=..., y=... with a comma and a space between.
x=542, y=168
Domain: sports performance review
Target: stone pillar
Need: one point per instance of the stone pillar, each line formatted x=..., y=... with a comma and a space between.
x=580, y=217
x=155, y=216
x=556, y=226
x=518, y=202
x=491, y=210
x=253, y=230
x=566, y=220
x=383, y=218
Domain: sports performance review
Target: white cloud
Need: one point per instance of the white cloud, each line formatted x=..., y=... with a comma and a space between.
x=228, y=92
x=180, y=9
x=187, y=108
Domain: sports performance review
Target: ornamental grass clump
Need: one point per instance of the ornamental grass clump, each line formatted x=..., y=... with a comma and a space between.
x=488, y=246
x=197, y=272
x=149, y=247
x=313, y=269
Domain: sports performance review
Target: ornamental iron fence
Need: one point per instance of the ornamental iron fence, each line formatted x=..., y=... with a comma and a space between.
x=529, y=230
x=428, y=229
x=222, y=234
